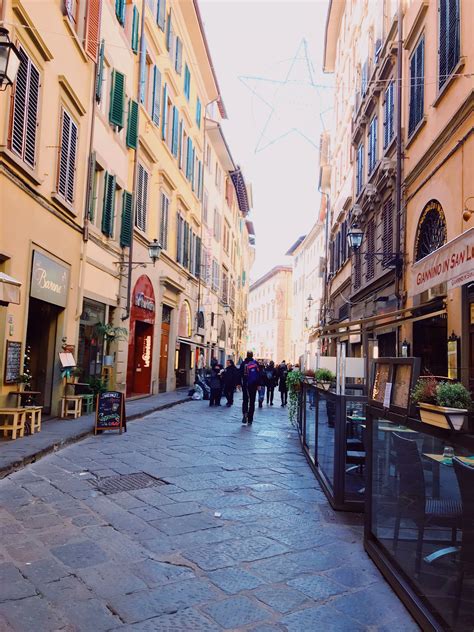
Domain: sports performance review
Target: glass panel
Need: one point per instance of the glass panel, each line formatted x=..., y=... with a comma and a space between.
x=326, y=412
x=90, y=348
x=420, y=519
x=355, y=456
x=310, y=428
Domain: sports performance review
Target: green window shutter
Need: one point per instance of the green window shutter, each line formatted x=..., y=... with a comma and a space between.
x=135, y=23
x=168, y=32
x=155, y=111
x=120, y=11
x=92, y=186
x=117, y=99
x=132, y=128
x=126, y=228
x=108, y=208
x=100, y=73
x=161, y=14
x=164, y=113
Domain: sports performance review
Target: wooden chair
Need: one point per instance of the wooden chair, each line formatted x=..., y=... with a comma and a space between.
x=33, y=418
x=88, y=402
x=12, y=420
x=71, y=406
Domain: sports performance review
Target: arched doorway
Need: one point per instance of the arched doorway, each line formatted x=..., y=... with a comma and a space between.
x=430, y=334
x=142, y=329
x=183, y=364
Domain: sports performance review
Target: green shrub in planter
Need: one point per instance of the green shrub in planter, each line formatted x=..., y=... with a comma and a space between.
x=453, y=395
x=324, y=375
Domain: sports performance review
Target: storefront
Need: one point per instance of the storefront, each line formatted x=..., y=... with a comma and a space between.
x=141, y=336
x=184, y=359
x=47, y=301
x=90, y=351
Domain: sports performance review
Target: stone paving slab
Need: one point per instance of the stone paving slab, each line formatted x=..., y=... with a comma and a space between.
x=57, y=433
x=241, y=538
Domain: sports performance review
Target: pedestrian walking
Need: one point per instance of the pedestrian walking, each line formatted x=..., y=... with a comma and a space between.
x=215, y=382
x=230, y=380
x=261, y=384
x=249, y=378
x=282, y=385
x=271, y=380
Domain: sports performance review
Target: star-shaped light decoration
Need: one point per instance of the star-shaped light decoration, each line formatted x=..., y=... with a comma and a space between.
x=296, y=103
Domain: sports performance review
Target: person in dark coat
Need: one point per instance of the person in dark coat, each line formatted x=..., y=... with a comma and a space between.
x=249, y=378
x=282, y=385
x=230, y=379
x=271, y=380
x=215, y=382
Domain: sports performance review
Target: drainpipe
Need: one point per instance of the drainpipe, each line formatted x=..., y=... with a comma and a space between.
x=398, y=184
x=141, y=67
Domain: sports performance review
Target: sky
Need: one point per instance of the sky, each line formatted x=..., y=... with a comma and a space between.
x=268, y=59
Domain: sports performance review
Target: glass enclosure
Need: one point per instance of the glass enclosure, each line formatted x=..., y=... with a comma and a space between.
x=332, y=429
x=420, y=518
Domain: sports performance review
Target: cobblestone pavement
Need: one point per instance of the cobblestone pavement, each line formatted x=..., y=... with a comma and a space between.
x=240, y=537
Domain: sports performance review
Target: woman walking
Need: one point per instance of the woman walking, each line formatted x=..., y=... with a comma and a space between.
x=282, y=385
x=271, y=380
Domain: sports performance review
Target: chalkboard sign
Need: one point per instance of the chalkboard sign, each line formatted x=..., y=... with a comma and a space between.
x=12, y=362
x=110, y=412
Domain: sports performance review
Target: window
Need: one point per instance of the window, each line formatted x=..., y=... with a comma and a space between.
x=225, y=286
x=387, y=231
x=117, y=99
x=357, y=270
x=187, y=82
x=370, y=273
x=226, y=239
x=198, y=112
x=215, y=275
x=417, y=79
x=180, y=240
x=364, y=78
x=67, y=157
x=108, y=205
x=217, y=177
x=175, y=132
x=142, y=198
x=24, y=119
x=208, y=158
x=132, y=126
x=164, y=218
x=372, y=149
x=360, y=169
x=205, y=206
x=120, y=11
x=178, y=58
x=169, y=32
x=126, y=226
x=135, y=28
x=99, y=81
x=449, y=39
x=156, y=96
x=388, y=115
x=161, y=14
x=217, y=225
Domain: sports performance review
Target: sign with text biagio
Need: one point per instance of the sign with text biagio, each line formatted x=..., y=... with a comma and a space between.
x=49, y=280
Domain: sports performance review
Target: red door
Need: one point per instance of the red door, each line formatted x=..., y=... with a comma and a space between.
x=142, y=357
x=165, y=339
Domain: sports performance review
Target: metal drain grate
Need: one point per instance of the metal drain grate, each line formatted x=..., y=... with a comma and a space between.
x=126, y=482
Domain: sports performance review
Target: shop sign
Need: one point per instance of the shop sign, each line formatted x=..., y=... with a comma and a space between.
x=49, y=280
x=144, y=302
x=146, y=356
x=453, y=264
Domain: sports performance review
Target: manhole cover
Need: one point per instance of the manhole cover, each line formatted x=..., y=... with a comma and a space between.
x=127, y=482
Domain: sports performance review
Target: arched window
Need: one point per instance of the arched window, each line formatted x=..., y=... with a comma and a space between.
x=431, y=233
x=184, y=324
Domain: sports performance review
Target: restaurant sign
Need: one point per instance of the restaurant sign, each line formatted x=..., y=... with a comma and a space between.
x=49, y=280
x=452, y=264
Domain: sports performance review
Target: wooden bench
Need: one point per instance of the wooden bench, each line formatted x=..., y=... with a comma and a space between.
x=33, y=418
x=71, y=406
x=12, y=420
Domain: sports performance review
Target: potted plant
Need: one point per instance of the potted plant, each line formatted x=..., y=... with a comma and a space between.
x=24, y=381
x=442, y=404
x=111, y=334
x=293, y=382
x=97, y=385
x=324, y=378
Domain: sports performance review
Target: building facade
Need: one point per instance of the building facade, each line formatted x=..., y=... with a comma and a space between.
x=102, y=152
x=270, y=315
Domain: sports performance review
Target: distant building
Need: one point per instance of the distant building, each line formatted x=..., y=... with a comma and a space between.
x=269, y=315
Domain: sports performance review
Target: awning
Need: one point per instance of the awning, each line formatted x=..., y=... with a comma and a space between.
x=9, y=290
x=241, y=190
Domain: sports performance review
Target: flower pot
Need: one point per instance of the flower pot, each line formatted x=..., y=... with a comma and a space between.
x=443, y=417
x=108, y=360
x=325, y=385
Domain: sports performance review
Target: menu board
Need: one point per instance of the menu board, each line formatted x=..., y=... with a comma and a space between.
x=381, y=379
x=12, y=362
x=110, y=412
x=402, y=386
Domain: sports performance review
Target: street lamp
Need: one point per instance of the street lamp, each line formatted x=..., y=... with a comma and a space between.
x=9, y=60
x=405, y=348
x=226, y=307
x=306, y=322
x=355, y=236
x=310, y=301
x=154, y=252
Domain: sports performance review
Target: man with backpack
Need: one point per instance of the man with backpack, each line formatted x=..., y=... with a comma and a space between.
x=250, y=379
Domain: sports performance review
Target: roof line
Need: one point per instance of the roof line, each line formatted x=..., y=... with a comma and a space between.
x=269, y=274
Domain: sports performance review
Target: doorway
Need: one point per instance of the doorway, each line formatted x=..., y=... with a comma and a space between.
x=184, y=364
x=142, y=358
x=40, y=348
x=165, y=341
x=430, y=344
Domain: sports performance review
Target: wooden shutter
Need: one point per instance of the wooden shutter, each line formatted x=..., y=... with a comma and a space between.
x=126, y=227
x=185, y=261
x=175, y=133
x=164, y=221
x=198, y=112
x=120, y=11
x=357, y=270
x=24, y=118
x=94, y=9
x=179, y=56
x=164, y=113
x=453, y=35
x=180, y=145
x=117, y=99
x=135, y=26
x=417, y=63
x=100, y=73
x=142, y=198
x=161, y=14
x=370, y=249
x=108, y=208
x=67, y=158
x=387, y=231
x=198, y=257
x=443, y=41
x=132, y=127
x=168, y=32
x=91, y=186
x=155, y=113
x=179, y=246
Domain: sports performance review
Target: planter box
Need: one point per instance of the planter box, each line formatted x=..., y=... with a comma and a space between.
x=443, y=417
x=325, y=385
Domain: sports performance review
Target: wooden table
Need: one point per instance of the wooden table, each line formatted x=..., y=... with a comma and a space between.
x=439, y=458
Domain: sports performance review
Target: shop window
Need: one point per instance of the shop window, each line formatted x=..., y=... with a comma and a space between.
x=449, y=39
x=431, y=233
x=91, y=345
x=417, y=87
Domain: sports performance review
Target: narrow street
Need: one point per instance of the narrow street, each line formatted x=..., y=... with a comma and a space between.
x=239, y=538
